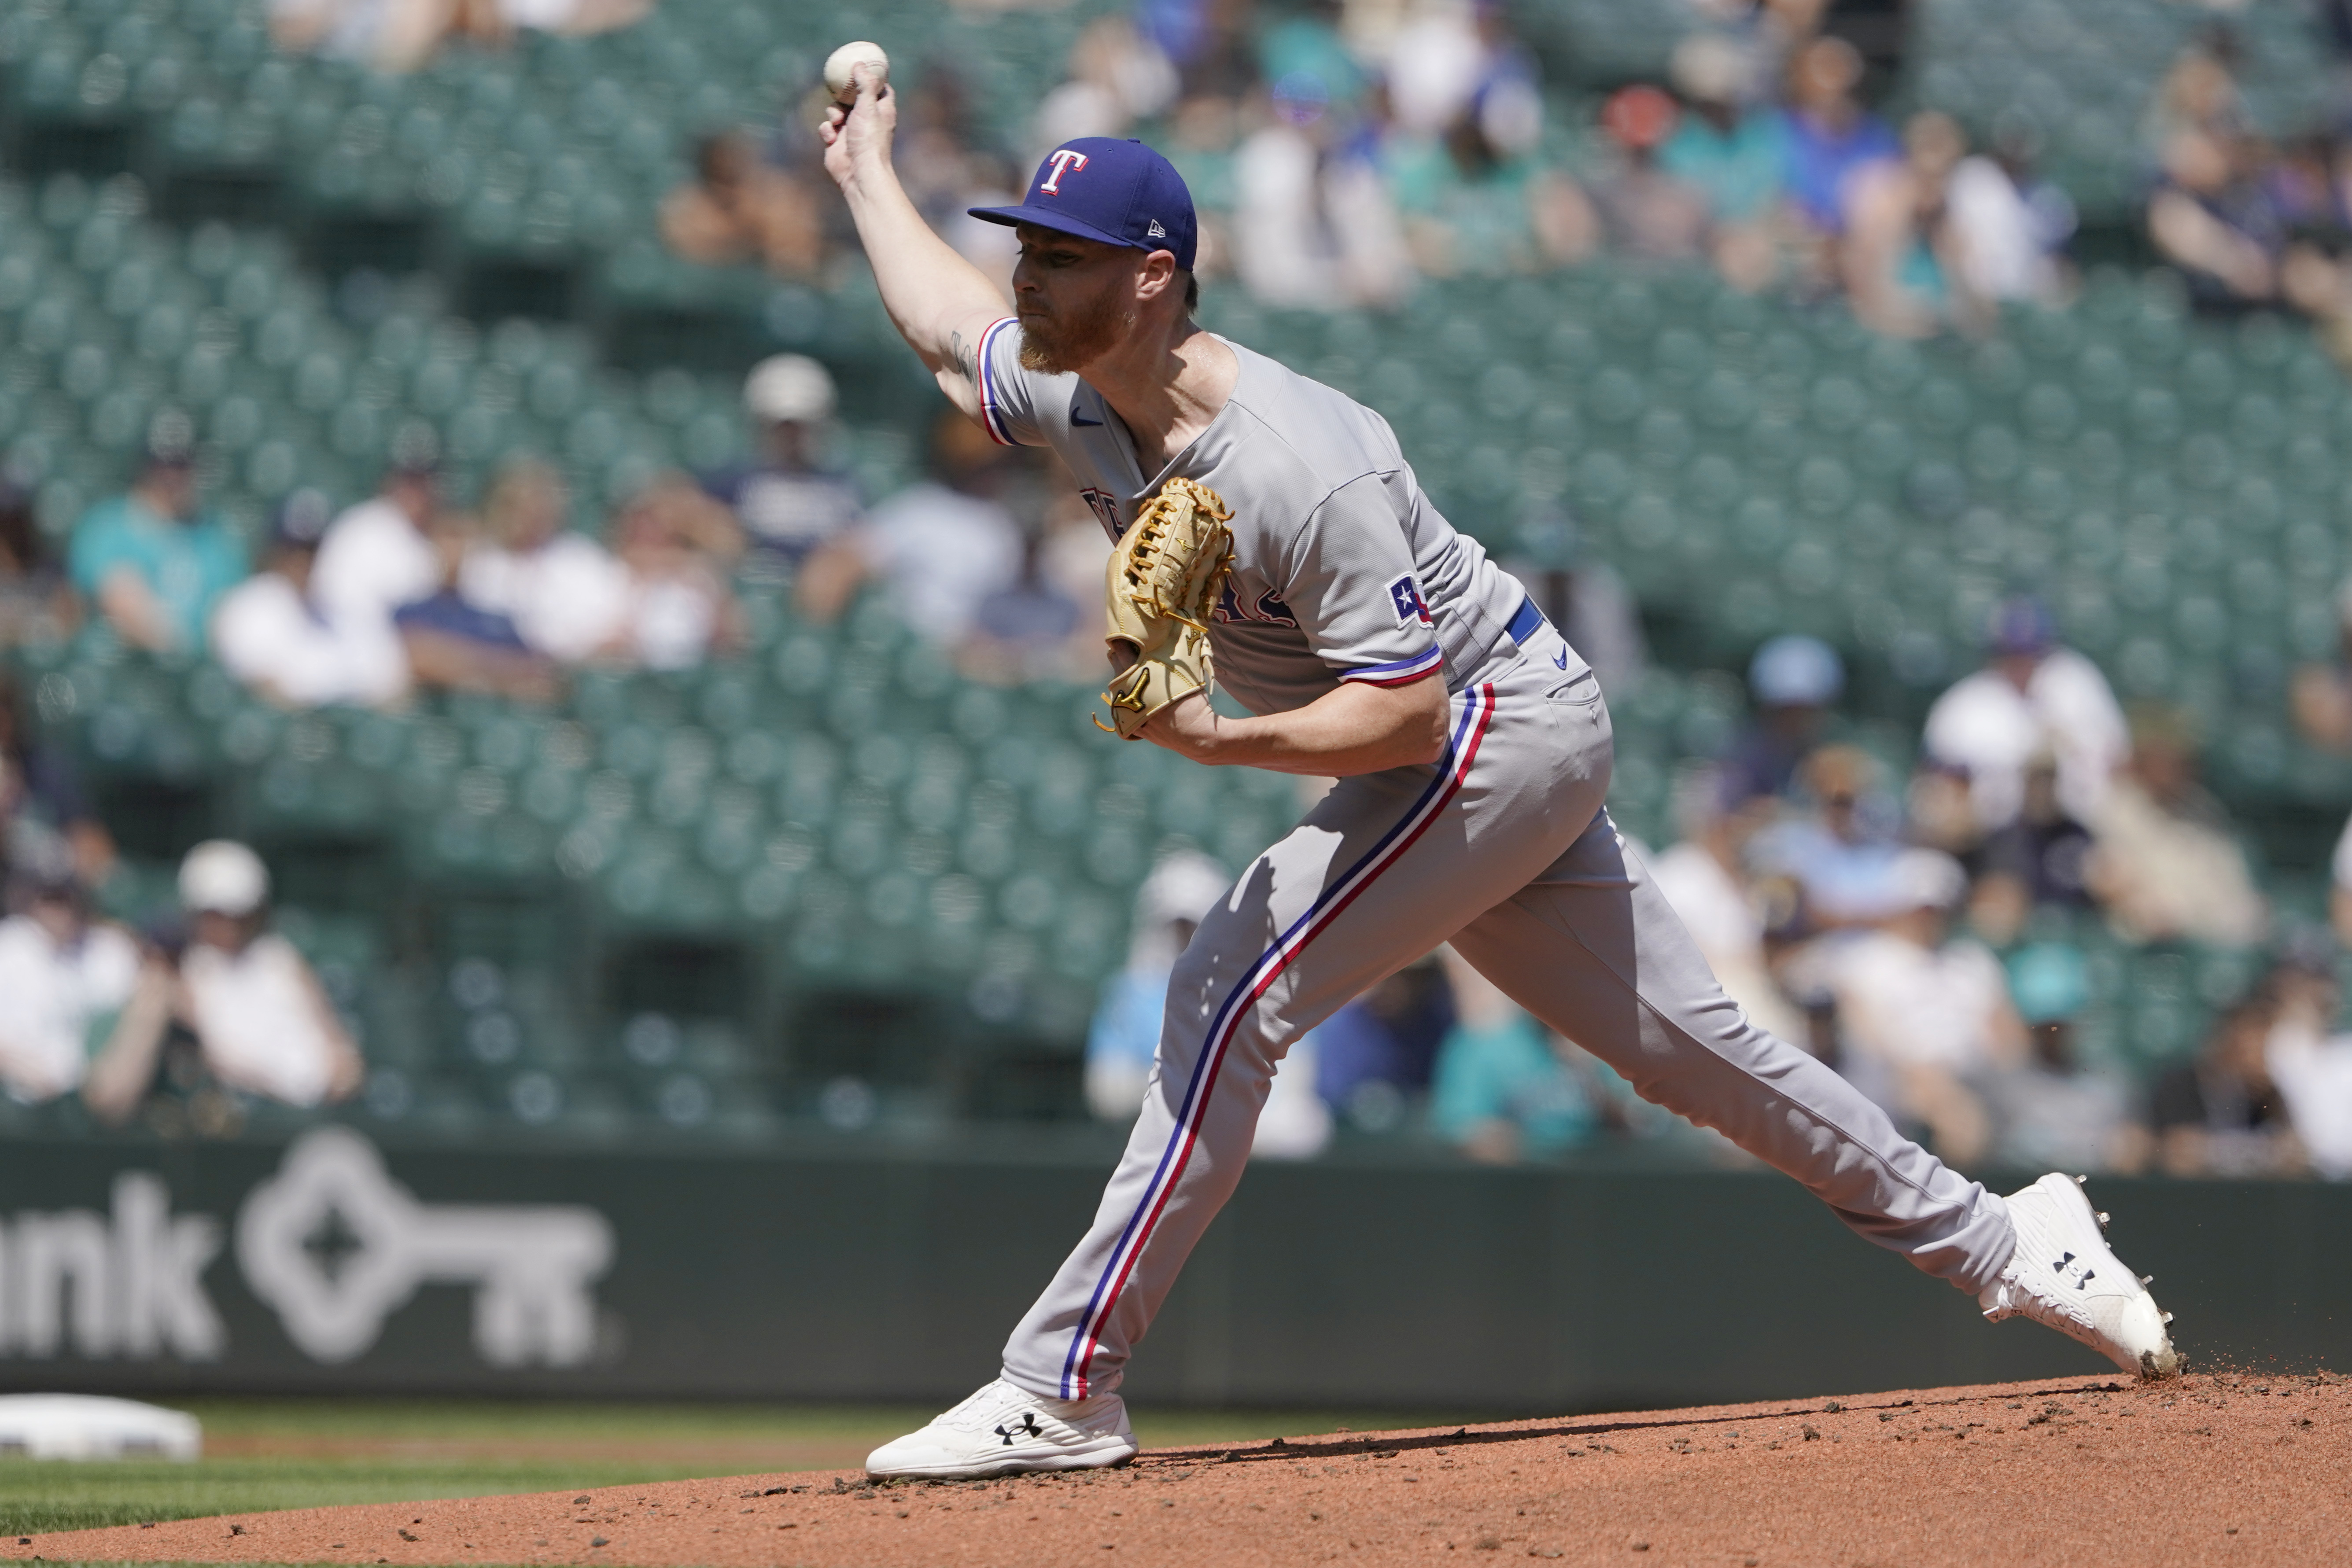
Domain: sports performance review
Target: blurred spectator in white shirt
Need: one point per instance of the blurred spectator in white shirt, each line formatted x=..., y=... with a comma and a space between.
x=1313, y=224
x=2031, y=696
x=942, y=547
x=261, y=1019
x=2053, y=1112
x=378, y=556
x=675, y=543
x=2163, y=860
x=269, y=633
x=567, y=595
x=2009, y=230
x=1933, y=1010
x=63, y=977
x=788, y=500
x=2310, y=1059
x=1705, y=878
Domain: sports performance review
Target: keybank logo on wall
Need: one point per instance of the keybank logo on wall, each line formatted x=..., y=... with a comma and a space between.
x=331, y=1243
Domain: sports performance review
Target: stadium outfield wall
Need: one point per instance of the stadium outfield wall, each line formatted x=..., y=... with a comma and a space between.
x=331, y=1265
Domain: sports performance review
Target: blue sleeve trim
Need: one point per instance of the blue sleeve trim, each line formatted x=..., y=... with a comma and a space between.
x=1397, y=672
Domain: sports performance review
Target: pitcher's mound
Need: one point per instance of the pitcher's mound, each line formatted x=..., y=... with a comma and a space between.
x=2075, y=1471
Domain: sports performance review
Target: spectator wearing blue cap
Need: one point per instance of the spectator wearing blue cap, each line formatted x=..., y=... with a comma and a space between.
x=2032, y=695
x=1795, y=681
x=270, y=633
x=2051, y=1111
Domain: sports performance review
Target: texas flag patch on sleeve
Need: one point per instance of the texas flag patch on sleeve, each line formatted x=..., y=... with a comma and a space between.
x=1404, y=596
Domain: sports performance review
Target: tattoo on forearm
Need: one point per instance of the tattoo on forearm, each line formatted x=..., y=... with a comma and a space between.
x=960, y=355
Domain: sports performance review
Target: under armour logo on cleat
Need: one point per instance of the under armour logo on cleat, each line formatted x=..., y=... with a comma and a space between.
x=1024, y=1428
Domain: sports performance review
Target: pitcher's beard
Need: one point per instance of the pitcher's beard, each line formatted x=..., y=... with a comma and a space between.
x=1081, y=337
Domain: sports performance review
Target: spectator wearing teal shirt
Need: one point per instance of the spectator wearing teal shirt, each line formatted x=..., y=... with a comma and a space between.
x=1500, y=1092
x=151, y=564
x=1734, y=157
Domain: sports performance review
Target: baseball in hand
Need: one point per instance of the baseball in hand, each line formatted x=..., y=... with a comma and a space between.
x=838, y=66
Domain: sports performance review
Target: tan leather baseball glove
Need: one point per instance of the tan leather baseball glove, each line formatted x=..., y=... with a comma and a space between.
x=1163, y=579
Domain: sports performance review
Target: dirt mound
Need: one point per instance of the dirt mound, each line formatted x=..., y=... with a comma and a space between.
x=2204, y=1469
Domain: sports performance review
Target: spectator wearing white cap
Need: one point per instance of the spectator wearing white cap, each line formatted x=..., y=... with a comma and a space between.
x=1934, y=1011
x=63, y=977
x=262, y=1021
x=789, y=502
x=269, y=633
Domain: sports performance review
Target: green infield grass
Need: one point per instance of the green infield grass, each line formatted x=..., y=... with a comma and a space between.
x=262, y=1454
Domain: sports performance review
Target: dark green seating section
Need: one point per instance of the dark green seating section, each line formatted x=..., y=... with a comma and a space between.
x=666, y=898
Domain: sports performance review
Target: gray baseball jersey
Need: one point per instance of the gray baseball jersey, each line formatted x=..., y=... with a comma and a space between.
x=1342, y=569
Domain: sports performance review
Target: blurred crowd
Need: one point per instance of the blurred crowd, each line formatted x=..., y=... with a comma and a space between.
x=402, y=35
x=2252, y=221
x=1341, y=150
x=185, y=1025
x=1931, y=935
x=413, y=590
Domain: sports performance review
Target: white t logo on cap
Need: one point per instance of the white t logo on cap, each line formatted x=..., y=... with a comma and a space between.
x=1064, y=160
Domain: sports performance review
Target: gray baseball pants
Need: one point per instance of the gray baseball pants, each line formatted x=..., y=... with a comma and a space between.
x=1502, y=847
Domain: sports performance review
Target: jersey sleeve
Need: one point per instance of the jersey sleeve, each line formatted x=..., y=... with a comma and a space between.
x=1009, y=397
x=1352, y=588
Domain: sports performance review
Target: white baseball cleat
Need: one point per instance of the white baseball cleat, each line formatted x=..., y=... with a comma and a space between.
x=1001, y=1430
x=2062, y=1275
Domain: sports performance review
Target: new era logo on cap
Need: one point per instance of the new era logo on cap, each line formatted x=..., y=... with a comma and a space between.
x=1102, y=188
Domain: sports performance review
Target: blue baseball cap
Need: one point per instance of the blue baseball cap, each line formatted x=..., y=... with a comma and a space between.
x=1101, y=188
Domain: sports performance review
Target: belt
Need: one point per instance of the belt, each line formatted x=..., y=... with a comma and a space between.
x=1527, y=623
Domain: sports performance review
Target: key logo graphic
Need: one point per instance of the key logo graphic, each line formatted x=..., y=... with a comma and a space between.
x=1065, y=161
x=530, y=1267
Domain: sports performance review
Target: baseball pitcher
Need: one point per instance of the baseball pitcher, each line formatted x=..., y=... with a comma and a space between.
x=1271, y=535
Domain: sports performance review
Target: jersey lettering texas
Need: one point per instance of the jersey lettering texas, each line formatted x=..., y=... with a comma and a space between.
x=1267, y=609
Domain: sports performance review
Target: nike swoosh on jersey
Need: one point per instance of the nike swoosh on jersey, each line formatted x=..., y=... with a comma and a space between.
x=1561, y=658
x=1078, y=418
